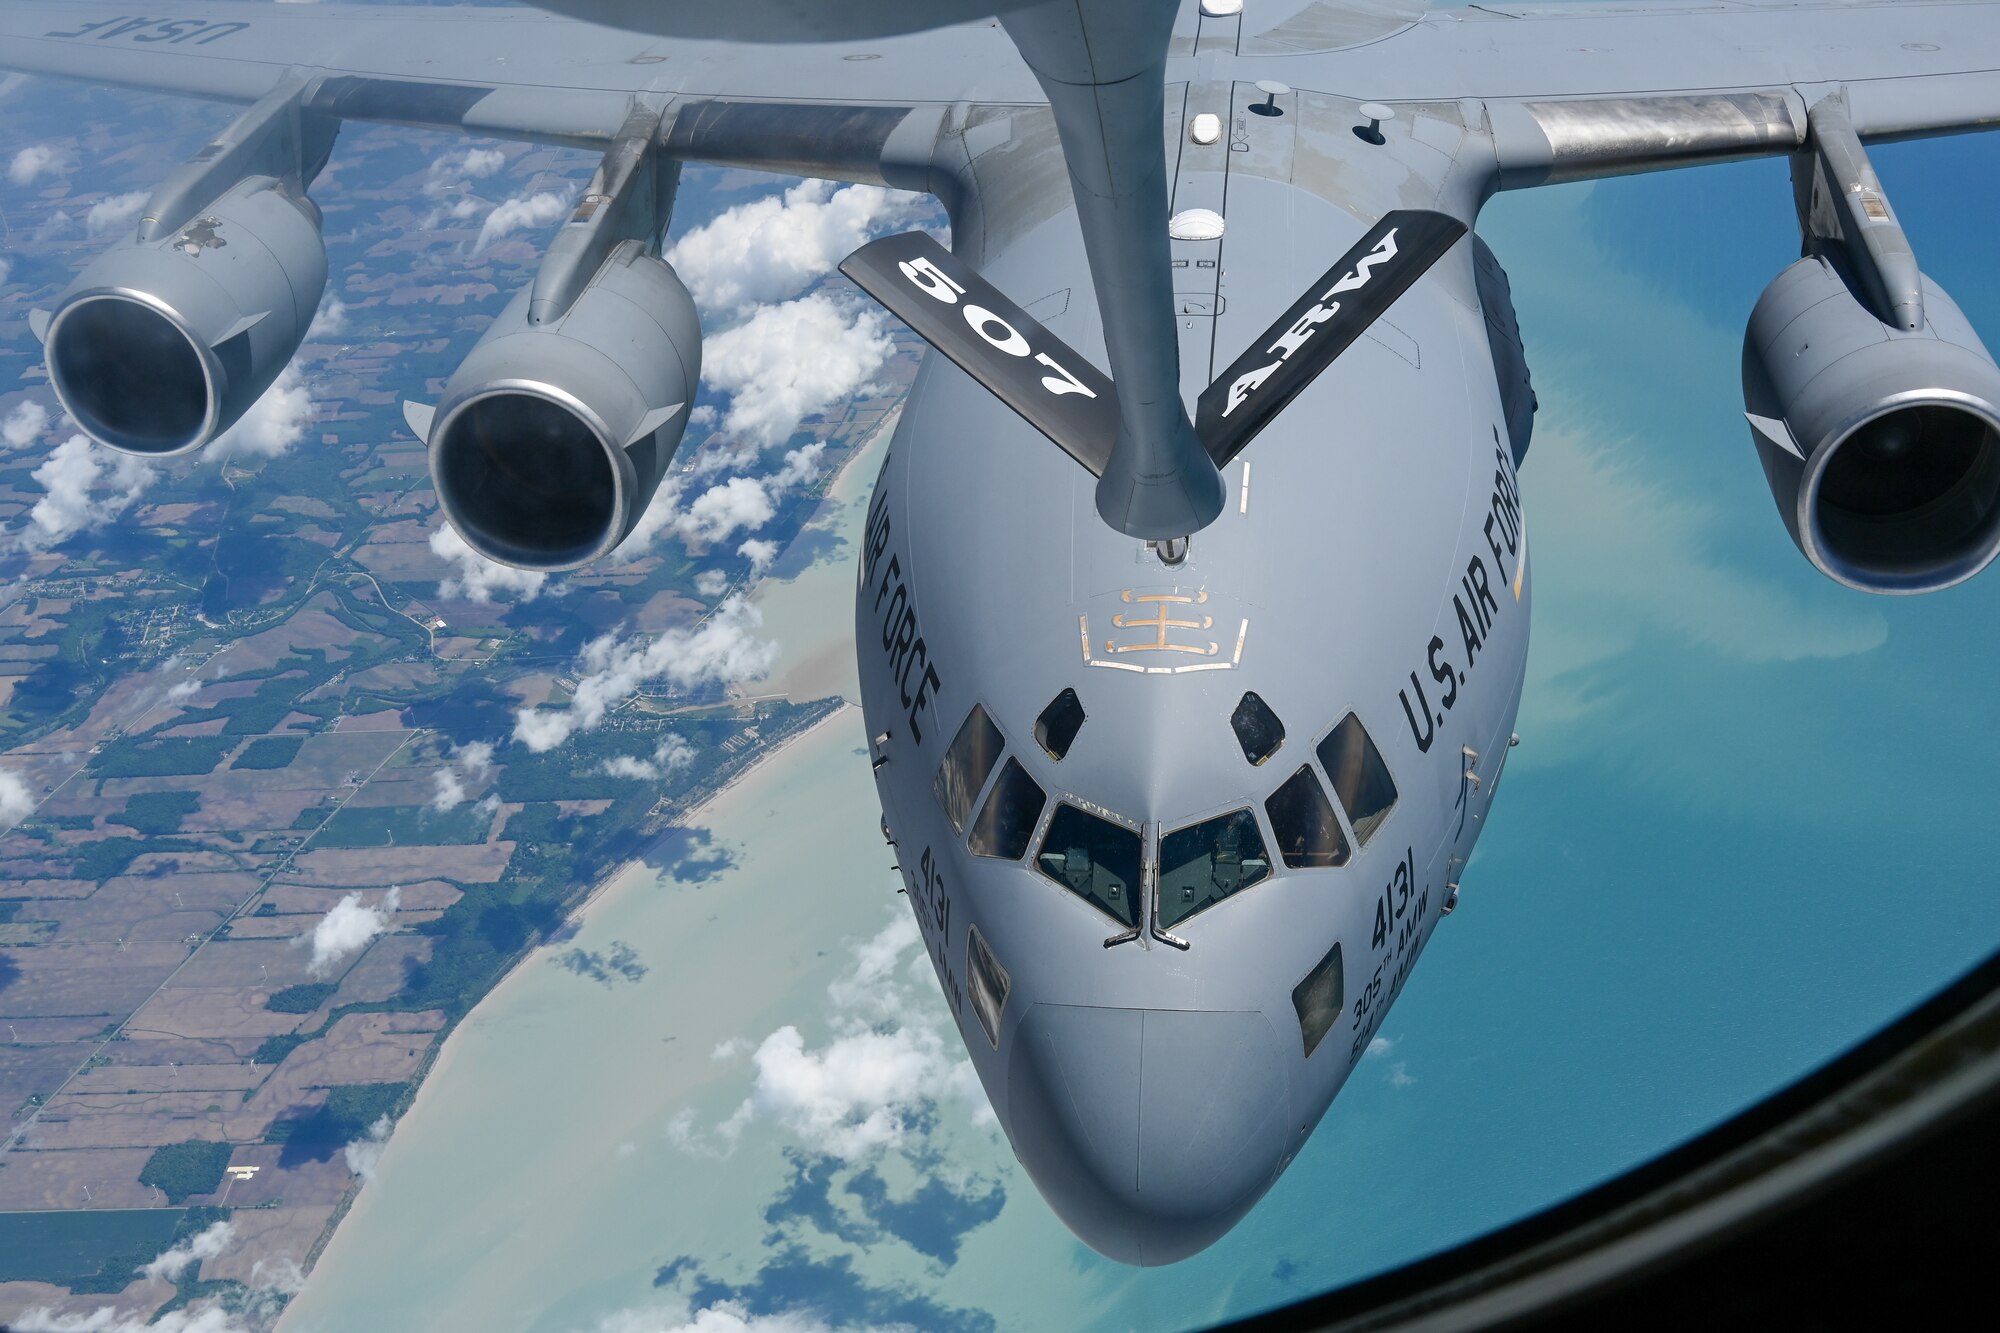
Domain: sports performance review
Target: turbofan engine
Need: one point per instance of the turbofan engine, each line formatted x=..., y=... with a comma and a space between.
x=554, y=435
x=161, y=344
x=1875, y=407
x=1881, y=445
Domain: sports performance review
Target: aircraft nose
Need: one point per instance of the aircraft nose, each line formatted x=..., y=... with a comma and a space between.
x=1149, y=1131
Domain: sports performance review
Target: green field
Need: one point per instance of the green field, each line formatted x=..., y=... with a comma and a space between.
x=63, y=1247
x=173, y=756
x=156, y=813
x=405, y=826
x=270, y=752
x=182, y=1169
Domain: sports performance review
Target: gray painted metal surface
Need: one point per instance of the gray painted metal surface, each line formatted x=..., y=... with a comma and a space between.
x=1157, y=1068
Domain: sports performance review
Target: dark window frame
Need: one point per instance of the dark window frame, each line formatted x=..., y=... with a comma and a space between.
x=979, y=829
x=1041, y=728
x=1305, y=994
x=960, y=820
x=1257, y=761
x=1340, y=800
x=1344, y=850
x=976, y=949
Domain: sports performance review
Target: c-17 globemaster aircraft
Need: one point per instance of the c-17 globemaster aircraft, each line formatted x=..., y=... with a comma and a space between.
x=1185, y=718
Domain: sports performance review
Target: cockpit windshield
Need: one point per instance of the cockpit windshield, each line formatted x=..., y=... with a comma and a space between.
x=1360, y=779
x=1007, y=823
x=1204, y=863
x=1302, y=820
x=1095, y=859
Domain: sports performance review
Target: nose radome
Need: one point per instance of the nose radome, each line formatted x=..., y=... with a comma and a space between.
x=1149, y=1131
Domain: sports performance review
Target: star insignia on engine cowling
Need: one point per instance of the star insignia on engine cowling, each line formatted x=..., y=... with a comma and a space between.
x=199, y=236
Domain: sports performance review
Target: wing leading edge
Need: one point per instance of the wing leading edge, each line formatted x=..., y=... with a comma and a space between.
x=513, y=73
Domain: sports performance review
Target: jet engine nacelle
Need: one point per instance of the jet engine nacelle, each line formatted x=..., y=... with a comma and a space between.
x=1882, y=447
x=553, y=436
x=160, y=346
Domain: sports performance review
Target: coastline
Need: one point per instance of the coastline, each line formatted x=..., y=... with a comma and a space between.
x=538, y=1171
x=744, y=786
x=842, y=507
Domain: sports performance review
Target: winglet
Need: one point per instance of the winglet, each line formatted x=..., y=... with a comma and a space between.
x=993, y=340
x=38, y=324
x=1320, y=325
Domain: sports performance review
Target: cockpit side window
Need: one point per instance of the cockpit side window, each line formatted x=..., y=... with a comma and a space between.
x=1257, y=728
x=971, y=757
x=1318, y=999
x=1007, y=822
x=1304, y=824
x=1204, y=863
x=1360, y=779
x=1095, y=859
x=1056, y=728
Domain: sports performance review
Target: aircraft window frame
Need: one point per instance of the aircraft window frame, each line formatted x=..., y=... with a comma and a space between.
x=957, y=761
x=1319, y=1017
x=985, y=828
x=984, y=966
x=1135, y=890
x=1344, y=850
x=1167, y=905
x=1042, y=728
x=1236, y=727
x=1375, y=819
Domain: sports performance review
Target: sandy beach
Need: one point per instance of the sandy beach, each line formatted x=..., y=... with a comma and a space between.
x=533, y=1044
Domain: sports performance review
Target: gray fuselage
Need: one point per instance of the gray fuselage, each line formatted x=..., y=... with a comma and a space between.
x=1371, y=560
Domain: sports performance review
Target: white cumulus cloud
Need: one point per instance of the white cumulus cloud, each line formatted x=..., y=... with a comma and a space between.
x=170, y=1264
x=480, y=163
x=510, y=215
x=16, y=801
x=328, y=320
x=35, y=161
x=792, y=361
x=85, y=485
x=724, y=1317
x=456, y=168
x=711, y=583
x=722, y=649
x=114, y=212
x=202, y=1317
x=478, y=579
x=253, y=1308
x=670, y=756
x=740, y=504
x=720, y=511
x=777, y=246
x=760, y=553
x=274, y=423
x=470, y=766
x=874, y=1083
x=24, y=424
x=347, y=929
x=365, y=1153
